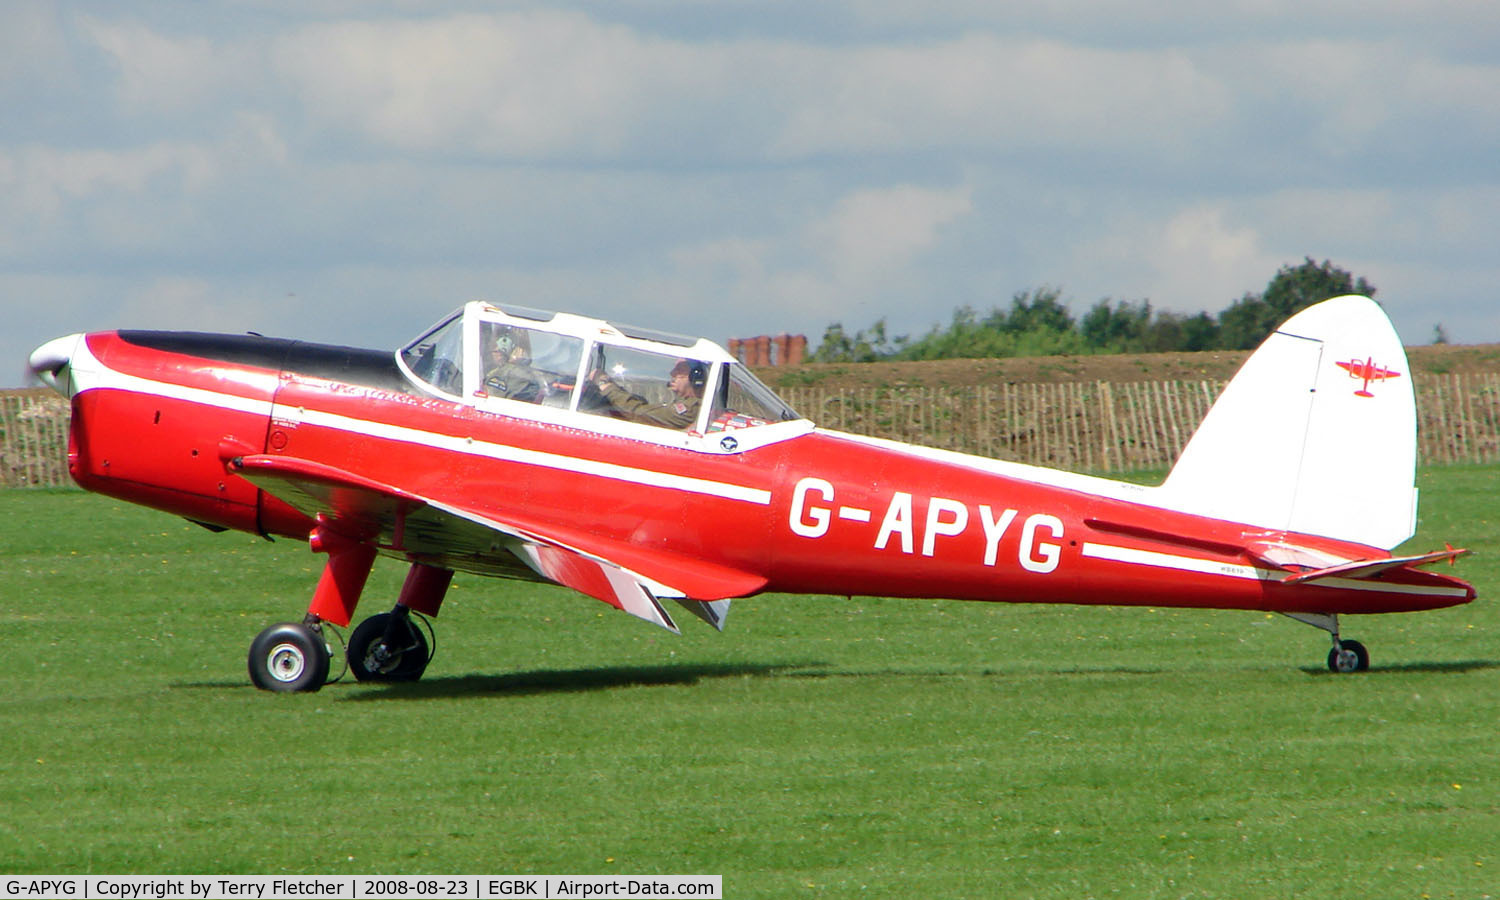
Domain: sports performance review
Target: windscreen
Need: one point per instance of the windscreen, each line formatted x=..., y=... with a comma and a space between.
x=437, y=357
x=743, y=401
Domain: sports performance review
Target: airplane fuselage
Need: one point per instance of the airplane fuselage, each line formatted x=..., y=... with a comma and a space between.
x=159, y=417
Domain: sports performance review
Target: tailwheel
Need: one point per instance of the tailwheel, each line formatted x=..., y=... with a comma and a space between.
x=1348, y=656
x=389, y=647
x=289, y=656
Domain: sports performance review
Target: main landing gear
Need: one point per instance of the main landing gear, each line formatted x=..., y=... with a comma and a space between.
x=390, y=646
x=1347, y=655
x=290, y=656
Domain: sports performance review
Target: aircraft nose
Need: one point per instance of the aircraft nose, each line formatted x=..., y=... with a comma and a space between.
x=49, y=362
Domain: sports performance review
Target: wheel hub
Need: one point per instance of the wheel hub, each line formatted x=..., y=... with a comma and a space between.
x=381, y=659
x=286, y=662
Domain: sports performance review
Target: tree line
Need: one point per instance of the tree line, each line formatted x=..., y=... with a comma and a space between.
x=1039, y=323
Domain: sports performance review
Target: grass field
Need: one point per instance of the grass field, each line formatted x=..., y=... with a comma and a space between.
x=819, y=747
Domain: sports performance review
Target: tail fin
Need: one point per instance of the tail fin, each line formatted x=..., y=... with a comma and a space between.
x=1315, y=434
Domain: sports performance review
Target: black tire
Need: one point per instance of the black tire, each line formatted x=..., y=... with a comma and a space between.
x=1349, y=656
x=289, y=657
x=404, y=662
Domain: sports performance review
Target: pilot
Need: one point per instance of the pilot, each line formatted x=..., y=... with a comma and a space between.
x=686, y=382
x=508, y=372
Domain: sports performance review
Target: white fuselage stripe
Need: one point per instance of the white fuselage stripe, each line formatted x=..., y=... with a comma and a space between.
x=508, y=453
x=1134, y=556
x=89, y=373
x=1138, y=557
x=96, y=375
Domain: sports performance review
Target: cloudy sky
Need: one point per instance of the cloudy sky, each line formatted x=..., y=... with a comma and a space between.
x=348, y=171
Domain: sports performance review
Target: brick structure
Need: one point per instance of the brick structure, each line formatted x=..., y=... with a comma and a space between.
x=764, y=351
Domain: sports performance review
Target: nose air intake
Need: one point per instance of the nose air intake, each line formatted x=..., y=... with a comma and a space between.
x=50, y=361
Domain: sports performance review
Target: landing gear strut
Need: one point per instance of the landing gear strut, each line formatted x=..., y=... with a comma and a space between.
x=1347, y=655
x=386, y=647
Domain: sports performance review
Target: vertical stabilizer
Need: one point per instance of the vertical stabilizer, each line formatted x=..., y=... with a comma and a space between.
x=1315, y=434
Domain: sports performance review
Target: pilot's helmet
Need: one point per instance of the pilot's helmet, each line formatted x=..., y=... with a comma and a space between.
x=695, y=370
x=505, y=342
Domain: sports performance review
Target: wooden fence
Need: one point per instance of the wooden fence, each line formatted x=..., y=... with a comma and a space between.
x=1098, y=426
x=1117, y=426
x=1458, y=418
x=33, y=439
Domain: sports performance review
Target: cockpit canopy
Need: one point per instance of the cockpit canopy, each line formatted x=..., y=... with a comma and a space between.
x=521, y=361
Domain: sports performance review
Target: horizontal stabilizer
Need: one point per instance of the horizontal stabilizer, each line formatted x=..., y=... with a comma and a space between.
x=1369, y=568
x=1292, y=557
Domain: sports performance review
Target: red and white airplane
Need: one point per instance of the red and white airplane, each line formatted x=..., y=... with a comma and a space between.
x=639, y=467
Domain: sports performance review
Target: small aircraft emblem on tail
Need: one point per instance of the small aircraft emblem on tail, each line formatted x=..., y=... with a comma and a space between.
x=1367, y=371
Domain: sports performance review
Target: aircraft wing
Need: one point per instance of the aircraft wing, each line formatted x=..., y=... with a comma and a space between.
x=408, y=525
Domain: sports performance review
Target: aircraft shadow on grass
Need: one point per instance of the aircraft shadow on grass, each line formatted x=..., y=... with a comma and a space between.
x=564, y=681
x=1457, y=666
x=577, y=680
x=567, y=681
x=975, y=673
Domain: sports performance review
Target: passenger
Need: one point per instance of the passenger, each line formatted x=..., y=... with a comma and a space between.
x=686, y=382
x=508, y=372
